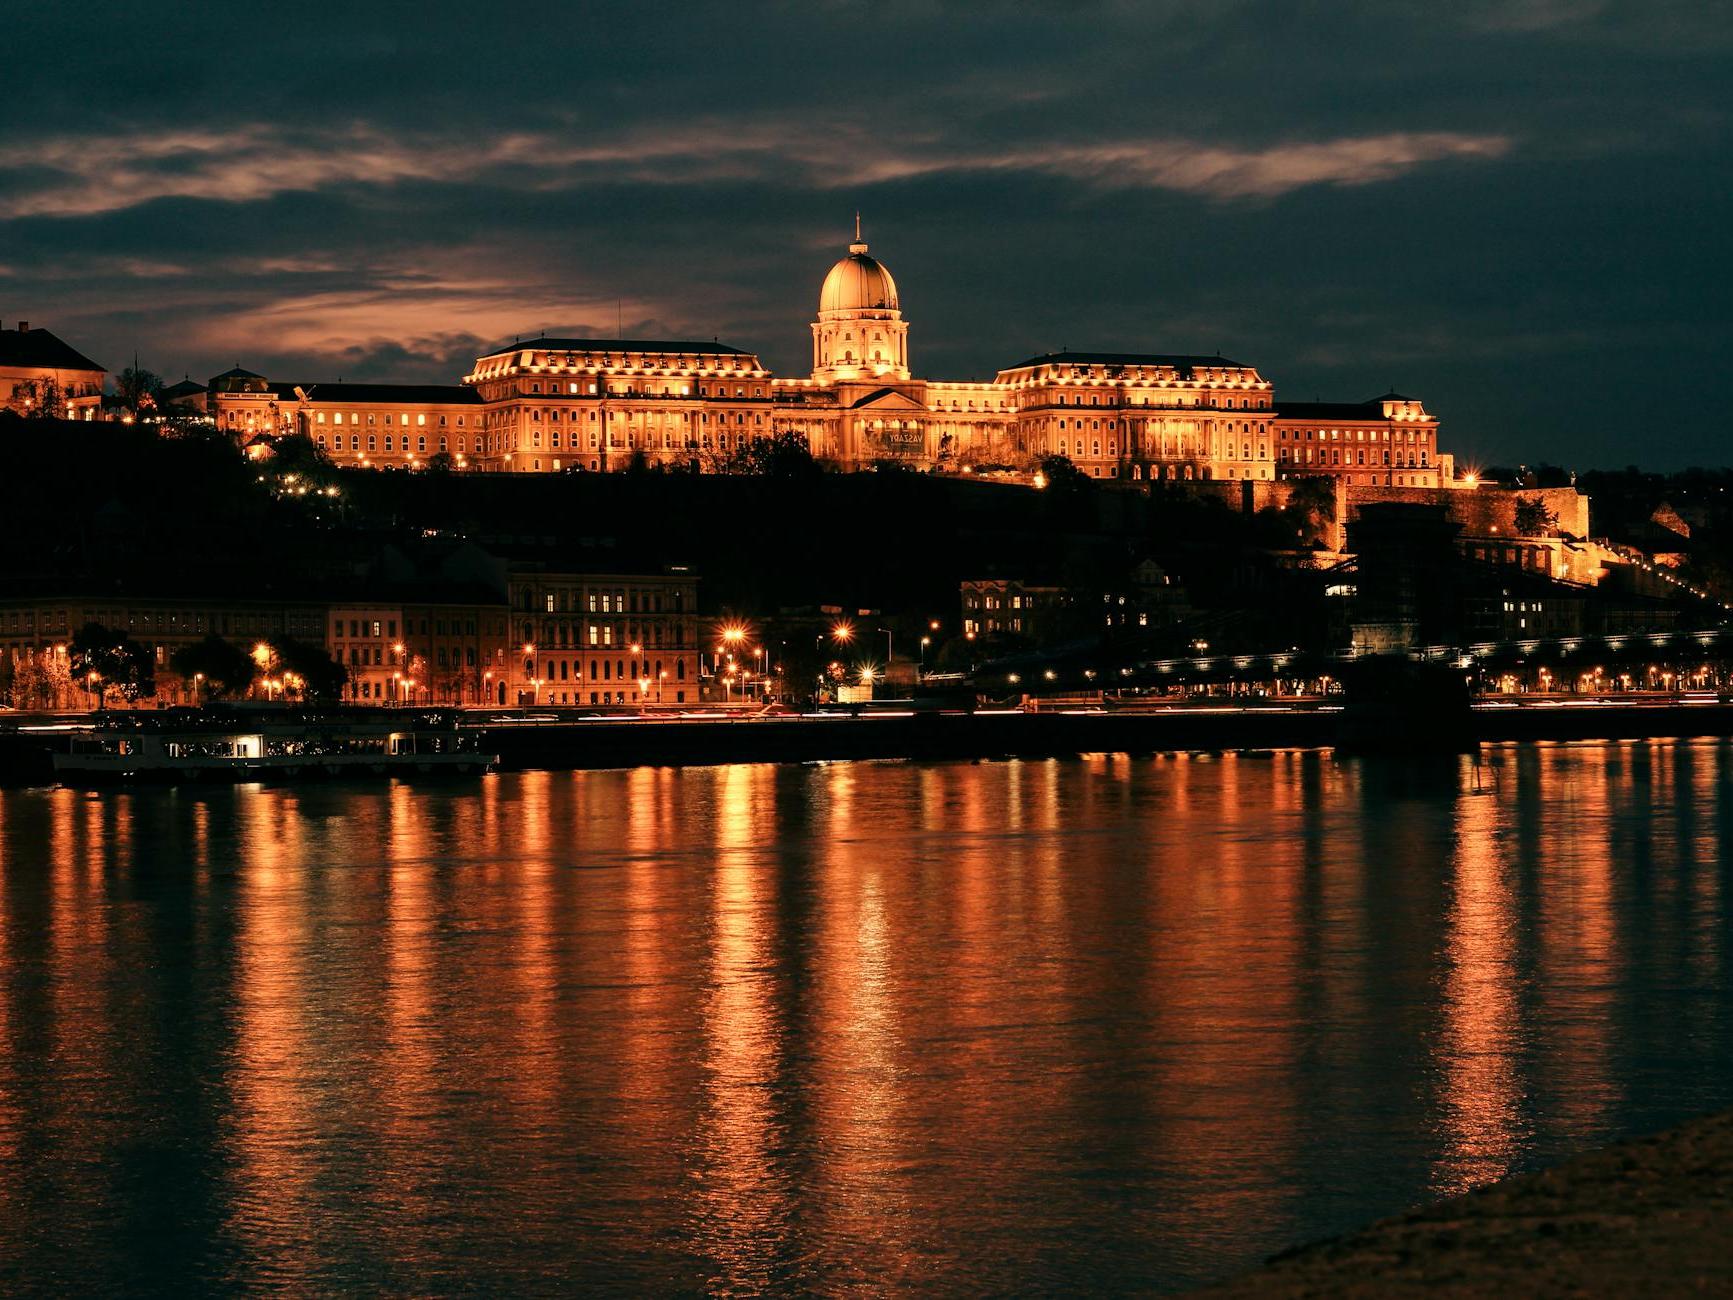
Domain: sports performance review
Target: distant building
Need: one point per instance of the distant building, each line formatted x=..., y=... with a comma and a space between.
x=471, y=629
x=600, y=638
x=1389, y=441
x=188, y=397
x=1013, y=607
x=37, y=368
x=1049, y=612
x=557, y=405
x=366, y=425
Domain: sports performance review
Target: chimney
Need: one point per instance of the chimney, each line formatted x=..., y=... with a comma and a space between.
x=24, y=327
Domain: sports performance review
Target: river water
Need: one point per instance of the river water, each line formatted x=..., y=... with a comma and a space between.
x=1103, y=1023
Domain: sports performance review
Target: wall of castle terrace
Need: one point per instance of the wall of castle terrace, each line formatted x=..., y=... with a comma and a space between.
x=1483, y=511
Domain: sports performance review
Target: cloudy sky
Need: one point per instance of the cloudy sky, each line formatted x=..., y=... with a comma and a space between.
x=1517, y=209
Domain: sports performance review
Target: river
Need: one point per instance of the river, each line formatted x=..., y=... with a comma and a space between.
x=1098, y=1023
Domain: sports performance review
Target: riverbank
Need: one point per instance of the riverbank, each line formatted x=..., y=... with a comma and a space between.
x=1649, y=1217
x=572, y=741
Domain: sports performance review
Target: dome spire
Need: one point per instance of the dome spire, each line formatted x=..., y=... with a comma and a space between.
x=859, y=245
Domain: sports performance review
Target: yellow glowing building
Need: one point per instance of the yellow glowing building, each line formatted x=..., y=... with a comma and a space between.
x=560, y=405
x=40, y=371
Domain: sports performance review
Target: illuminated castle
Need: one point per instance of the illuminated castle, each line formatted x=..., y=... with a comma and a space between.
x=553, y=405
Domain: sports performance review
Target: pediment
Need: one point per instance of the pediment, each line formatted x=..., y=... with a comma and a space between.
x=886, y=399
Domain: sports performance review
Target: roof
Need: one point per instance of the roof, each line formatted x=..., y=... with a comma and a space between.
x=237, y=373
x=1181, y=361
x=711, y=348
x=186, y=388
x=858, y=282
x=881, y=394
x=1371, y=409
x=40, y=350
x=377, y=394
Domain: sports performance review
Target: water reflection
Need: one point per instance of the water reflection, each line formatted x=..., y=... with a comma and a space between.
x=1109, y=1022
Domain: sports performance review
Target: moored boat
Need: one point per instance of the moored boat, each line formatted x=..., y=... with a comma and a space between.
x=264, y=748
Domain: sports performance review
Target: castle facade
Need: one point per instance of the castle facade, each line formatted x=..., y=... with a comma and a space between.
x=557, y=405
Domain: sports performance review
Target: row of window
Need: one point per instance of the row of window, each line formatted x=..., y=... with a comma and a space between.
x=605, y=670
x=626, y=390
x=604, y=697
x=1357, y=435
x=402, y=419
x=1333, y=456
x=619, y=600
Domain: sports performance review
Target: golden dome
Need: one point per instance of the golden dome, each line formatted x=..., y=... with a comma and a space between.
x=858, y=282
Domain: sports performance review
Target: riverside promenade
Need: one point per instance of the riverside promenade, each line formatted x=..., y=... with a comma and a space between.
x=570, y=740
x=1650, y=1217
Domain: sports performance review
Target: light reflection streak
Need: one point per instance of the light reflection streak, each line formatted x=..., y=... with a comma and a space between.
x=742, y=1210
x=273, y=1141
x=1481, y=1091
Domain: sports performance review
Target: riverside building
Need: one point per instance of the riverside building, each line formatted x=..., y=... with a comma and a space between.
x=557, y=405
x=534, y=632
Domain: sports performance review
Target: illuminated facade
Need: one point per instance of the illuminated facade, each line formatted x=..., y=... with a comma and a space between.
x=38, y=368
x=550, y=637
x=622, y=639
x=1389, y=441
x=368, y=425
x=554, y=405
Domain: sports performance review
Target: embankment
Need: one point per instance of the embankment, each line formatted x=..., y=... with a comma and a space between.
x=1646, y=1218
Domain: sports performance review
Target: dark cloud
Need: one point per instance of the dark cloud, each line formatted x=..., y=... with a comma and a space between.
x=1503, y=206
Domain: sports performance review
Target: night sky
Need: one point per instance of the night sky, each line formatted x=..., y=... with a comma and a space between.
x=1518, y=211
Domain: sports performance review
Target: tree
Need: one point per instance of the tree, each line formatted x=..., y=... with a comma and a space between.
x=104, y=660
x=37, y=399
x=226, y=669
x=27, y=684
x=298, y=454
x=441, y=462
x=782, y=455
x=320, y=676
x=1060, y=474
x=140, y=391
x=1533, y=519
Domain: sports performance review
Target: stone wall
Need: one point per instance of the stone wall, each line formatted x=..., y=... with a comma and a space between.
x=1484, y=511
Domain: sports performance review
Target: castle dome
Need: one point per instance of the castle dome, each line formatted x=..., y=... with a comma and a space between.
x=858, y=282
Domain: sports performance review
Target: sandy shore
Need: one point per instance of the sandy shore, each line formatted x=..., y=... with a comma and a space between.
x=1651, y=1217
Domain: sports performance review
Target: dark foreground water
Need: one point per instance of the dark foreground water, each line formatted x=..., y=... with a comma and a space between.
x=1101, y=1023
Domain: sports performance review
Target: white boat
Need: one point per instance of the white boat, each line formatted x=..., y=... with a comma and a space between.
x=246, y=749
